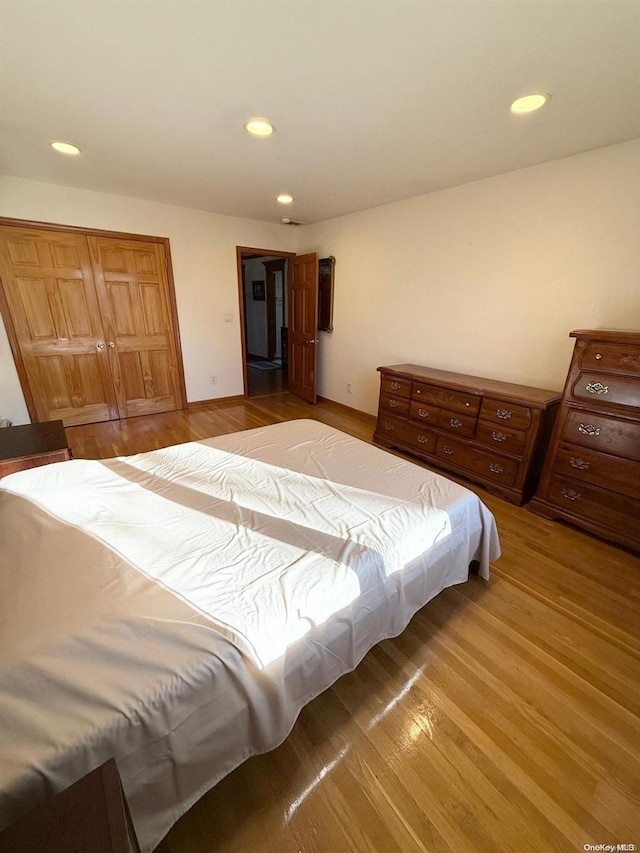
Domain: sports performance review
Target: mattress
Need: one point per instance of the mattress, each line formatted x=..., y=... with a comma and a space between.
x=176, y=609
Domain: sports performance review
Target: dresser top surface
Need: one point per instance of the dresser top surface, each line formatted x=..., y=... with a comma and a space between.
x=619, y=336
x=476, y=384
x=32, y=439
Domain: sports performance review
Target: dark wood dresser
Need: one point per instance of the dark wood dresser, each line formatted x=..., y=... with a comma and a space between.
x=89, y=817
x=492, y=432
x=31, y=445
x=592, y=473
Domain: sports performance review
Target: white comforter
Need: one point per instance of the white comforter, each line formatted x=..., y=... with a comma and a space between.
x=176, y=609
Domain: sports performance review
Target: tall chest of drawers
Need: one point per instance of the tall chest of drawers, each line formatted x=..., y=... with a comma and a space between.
x=492, y=432
x=592, y=472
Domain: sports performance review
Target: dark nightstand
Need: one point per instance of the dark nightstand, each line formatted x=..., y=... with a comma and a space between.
x=28, y=446
x=91, y=816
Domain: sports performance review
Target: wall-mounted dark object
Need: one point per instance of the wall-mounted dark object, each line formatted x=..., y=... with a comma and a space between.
x=325, y=294
x=258, y=291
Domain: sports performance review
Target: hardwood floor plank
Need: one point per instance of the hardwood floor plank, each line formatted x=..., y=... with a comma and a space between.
x=611, y=671
x=430, y=748
x=491, y=718
x=572, y=740
x=504, y=718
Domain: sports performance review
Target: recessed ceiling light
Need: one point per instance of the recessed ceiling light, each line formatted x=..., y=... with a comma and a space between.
x=529, y=103
x=259, y=127
x=66, y=148
x=285, y=198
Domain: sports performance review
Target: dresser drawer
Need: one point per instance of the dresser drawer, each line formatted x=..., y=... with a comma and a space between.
x=601, y=506
x=611, y=358
x=466, y=456
x=395, y=386
x=507, y=414
x=424, y=413
x=607, y=389
x=589, y=466
x=501, y=438
x=423, y=440
x=389, y=427
x=394, y=404
x=604, y=433
x=457, y=424
x=455, y=401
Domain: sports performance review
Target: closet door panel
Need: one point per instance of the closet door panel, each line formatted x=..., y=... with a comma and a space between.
x=133, y=292
x=51, y=297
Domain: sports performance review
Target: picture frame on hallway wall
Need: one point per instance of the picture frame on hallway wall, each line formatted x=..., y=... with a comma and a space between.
x=258, y=291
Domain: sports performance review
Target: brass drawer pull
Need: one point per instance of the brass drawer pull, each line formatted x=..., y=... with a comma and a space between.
x=456, y=422
x=422, y=439
x=504, y=414
x=570, y=494
x=393, y=404
x=596, y=388
x=395, y=385
x=388, y=426
x=576, y=462
x=498, y=436
x=598, y=356
x=448, y=450
x=497, y=469
x=423, y=413
x=589, y=429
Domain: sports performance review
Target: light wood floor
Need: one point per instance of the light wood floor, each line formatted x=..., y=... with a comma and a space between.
x=504, y=718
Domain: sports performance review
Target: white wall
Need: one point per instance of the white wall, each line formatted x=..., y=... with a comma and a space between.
x=256, y=311
x=12, y=405
x=487, y=278
x=204, y=265
x=280, y=281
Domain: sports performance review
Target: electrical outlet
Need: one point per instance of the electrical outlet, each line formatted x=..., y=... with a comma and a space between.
x=214, y=380
x=348, y=388
x=228, y=318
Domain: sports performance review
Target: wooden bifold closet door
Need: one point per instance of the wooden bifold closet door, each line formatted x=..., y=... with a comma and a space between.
x=91, y=324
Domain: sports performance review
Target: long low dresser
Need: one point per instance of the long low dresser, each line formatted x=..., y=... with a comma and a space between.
x=492, y=432
x=592, y=474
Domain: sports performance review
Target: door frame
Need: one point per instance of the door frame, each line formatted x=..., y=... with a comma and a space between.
x=89, y=232
x=258, y=253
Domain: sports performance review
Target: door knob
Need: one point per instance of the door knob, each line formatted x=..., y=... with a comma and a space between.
x=314, y=341
x=111, y=344
x=100, y=345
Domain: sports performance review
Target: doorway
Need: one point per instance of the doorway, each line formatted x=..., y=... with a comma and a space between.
x=263, y=279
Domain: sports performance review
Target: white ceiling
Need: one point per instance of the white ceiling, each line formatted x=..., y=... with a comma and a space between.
x=373, y=100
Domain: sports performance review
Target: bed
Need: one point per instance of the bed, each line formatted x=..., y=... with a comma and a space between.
x=176, y=609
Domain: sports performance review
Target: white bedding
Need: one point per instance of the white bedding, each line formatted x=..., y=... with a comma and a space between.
x=177, y=609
